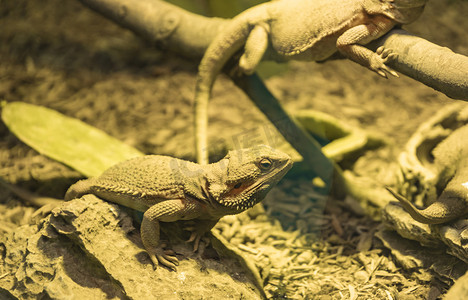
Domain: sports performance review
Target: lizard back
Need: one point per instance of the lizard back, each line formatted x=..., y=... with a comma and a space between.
x=300, y=28
x=142, y=182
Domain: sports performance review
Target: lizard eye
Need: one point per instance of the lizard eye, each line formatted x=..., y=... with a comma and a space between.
x=238, y=185
x=265, y=164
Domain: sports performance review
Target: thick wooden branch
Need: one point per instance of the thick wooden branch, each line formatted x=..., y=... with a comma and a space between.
x=435, y=66
x=188, y=34
x=161, y=23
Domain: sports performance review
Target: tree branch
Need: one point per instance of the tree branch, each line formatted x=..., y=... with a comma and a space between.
x=179, y=31
x=161, y=23
x=435, y=66
x=188, y=34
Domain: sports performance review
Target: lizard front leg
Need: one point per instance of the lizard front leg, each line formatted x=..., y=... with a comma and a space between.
x=166, y=211
x=348, y=45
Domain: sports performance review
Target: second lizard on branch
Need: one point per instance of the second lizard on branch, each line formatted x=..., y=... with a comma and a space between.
x=311, y=30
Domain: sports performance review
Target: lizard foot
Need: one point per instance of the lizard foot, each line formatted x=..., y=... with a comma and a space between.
x=165, y=257
x=195, y=237
x=378, y=61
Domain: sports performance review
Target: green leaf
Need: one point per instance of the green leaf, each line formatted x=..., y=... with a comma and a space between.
x=82, y=147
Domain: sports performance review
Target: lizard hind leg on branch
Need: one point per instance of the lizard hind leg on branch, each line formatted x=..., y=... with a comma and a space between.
x=255, y=47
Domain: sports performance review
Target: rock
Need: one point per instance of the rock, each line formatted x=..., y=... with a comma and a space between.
x=455, y=237
x=459, y=291
x=89, y=247
x=397, y=218
x=451, y=238
x=432, y=160
x=412, y=256
x=408, y=254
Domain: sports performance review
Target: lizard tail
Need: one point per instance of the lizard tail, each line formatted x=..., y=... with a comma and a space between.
x=78, y=189
x=224, y=46
x=447, y=208
x=28, y=196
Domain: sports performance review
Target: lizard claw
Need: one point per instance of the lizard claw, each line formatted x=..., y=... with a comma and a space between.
x=165, y=257
x=378, y=61
x=169, y=261
x=195, y=237
x=198, y=231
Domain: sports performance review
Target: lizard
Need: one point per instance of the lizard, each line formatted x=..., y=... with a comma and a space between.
x=167, y=189
x=451, y=161
x=308, y=30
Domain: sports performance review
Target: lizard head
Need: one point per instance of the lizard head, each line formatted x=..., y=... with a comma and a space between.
x=248, y=175
x=403, y=11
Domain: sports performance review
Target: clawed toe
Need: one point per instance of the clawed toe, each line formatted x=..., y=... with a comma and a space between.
x=169, y=261
x=392, y=56
x=382, y=73
x=165, y=257
x=198, y=231
x=192, y=237
x=384, y=56
x=169, y=252
x=195, y=238
x=378, y=62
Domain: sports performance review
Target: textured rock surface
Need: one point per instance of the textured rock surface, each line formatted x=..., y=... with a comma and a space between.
x=396, y=217
x=455, y=236
x=432, y=161
x=411, y=256
x=459, y=290
x=90, y=248
x=452, y=237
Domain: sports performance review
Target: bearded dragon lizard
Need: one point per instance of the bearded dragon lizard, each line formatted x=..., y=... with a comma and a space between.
x=451, y=160
x=311, y=30
x=167, y=189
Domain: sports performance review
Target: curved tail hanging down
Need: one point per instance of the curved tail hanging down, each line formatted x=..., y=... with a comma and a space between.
x=447, y=208
x=30, y=197
x=225, y=45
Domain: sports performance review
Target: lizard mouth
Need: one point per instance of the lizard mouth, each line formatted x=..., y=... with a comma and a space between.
x=404, y=14
x=408, y=3
x=250, y=193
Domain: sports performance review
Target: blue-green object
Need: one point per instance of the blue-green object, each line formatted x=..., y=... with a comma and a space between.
x=336, y=137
